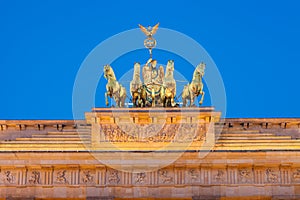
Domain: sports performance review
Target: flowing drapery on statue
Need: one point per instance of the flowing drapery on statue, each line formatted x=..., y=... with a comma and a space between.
x=153, y=79
x=152, y=74
x=195, y=88
x=113, y=88
x=157, y=89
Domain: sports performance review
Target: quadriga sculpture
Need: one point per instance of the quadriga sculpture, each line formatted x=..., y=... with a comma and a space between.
x=113, y=88
x=195, y=88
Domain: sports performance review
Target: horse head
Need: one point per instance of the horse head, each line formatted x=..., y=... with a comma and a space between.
x=108, y=72
x=200, y=68
x=169, y=68
x=199, y=72
x=136, y=71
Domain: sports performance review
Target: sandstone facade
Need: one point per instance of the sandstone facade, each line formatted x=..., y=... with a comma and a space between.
x=150, y=154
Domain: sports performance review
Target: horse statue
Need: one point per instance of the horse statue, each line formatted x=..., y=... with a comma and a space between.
x=168, y=91
x=113, y=88
x=167, y=97
x=137, y=88
x=136, y=79
x=195, y=88
x=140, y=97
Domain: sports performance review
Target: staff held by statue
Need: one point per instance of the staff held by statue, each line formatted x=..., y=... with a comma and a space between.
x=149, y=42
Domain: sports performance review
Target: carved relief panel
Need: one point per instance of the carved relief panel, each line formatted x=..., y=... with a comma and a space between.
x=272, y=175
x=296, y=175
x=245, y=175
x=165, y=176
x=34, y=177
x=61, y=176
x=87, y=176
x=113, y=177
x=128, y=132
x=193, y=176
x=219, y=176
x=140, y=178
x=8, y=176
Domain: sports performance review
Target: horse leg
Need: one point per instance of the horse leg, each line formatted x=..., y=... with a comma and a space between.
x=165, y=102
x=169, y=102
x=172, y=101
x=123, y=97
x=120, y=104
x=183, y=102
x=143, y=102
x=153, y=97
x=133, y=100
x=106, y=99
x=163, y=99
x=138, y=104
x=192, y=104
x=191, y=100
x=202, y=97
x=119, y=100
x=116, y=100
x=136, y=101
x=123, y=102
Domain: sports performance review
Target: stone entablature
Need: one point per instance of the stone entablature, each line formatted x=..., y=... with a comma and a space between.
x=100, y=176
x=218, y=174
x=39, y=125
x=101, y=157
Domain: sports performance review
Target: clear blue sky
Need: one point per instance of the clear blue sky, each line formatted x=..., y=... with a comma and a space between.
x=255, y=45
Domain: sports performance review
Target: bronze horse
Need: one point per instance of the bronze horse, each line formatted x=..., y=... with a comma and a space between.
x=195, y=88
x=113, y=88
x=168, y=90
x=139, y=97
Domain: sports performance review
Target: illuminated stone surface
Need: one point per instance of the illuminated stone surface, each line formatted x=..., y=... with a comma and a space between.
x=62, y=159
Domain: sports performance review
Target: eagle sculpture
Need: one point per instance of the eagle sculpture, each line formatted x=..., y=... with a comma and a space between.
x=150, y=31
